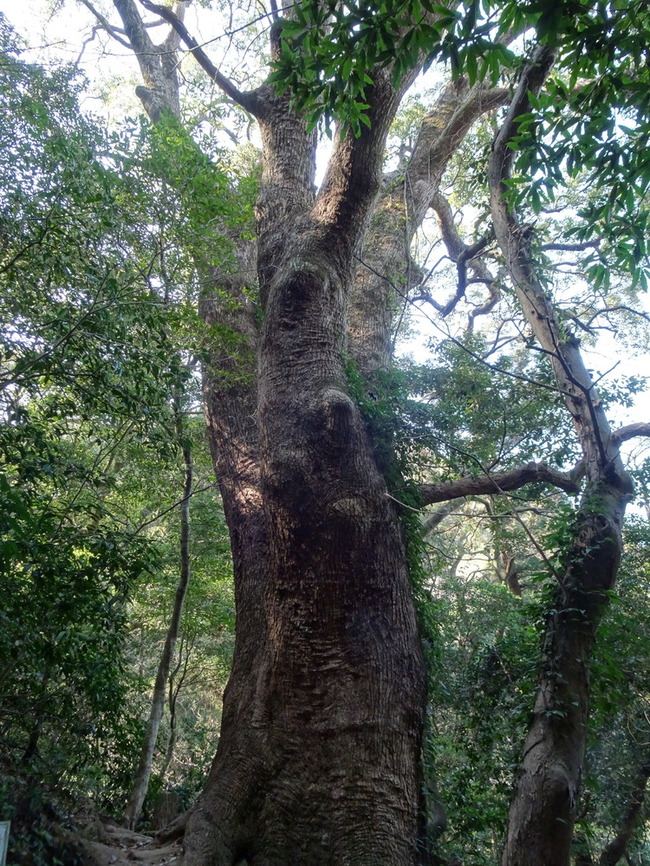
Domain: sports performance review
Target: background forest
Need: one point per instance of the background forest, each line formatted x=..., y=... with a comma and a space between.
x=117, y=612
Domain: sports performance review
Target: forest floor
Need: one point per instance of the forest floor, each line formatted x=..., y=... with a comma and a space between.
x=111, y=845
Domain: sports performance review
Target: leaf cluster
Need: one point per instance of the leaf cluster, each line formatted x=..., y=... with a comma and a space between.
x=329, y=52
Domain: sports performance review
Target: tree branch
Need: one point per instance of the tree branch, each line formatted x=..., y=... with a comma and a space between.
x=115, y=32
x=616, y=849
x=571, y=248
x=533, y=76
x=135, y=30
x=441, y=133
x=615, y=309
x=353, y=176
x=514, y=239
x=631, y=431
x=174, y=505
x=499, y=483
x=405, y=200
x=461, y=254
x=173, y=40
x=433, y=520
x=246, y=100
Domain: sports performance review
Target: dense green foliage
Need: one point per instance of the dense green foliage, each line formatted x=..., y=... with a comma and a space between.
x=99, y=348
x=91, y=370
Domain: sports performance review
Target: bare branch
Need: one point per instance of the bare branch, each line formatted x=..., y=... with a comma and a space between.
x=210, y=486
x=571, y=248
x=462, y=254
x=499, y=483
x=487, y=307
x=624, y=308
x=246, y=100
x=631, y=431
x=433, y=520
x=172, y=42
x=115, y=32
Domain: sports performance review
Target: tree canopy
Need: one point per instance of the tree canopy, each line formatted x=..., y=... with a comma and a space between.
x=414, y=568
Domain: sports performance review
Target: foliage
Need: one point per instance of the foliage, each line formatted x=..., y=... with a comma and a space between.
x=67, y=359
x=619, y=729
x=204, y=650
x=202, y=187
x=99, y=339
x=480, y=707
x=465, y=412
x=89, y=363
x=328, y=49
x=591, y=120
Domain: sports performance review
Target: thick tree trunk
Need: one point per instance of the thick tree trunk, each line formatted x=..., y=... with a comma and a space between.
x=218, y=826
x=318, y=760
x=345, y=683
x=319, y=755
x=143, y=773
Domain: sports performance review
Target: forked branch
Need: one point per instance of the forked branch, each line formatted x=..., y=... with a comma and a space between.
x=117, y=33
x=245, y=99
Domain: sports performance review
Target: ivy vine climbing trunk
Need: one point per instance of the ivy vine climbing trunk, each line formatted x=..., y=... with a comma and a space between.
x=547, y=786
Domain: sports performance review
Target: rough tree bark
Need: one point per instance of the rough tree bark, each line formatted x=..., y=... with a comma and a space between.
x=331, y=732
x=543, y=807
x=332, y=680
x=318, y=760
x=230, y=397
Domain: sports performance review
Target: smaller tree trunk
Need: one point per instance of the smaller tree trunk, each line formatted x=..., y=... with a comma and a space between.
x=616, y=849
x=175, y=686
x=542, y=812
x=143, y=774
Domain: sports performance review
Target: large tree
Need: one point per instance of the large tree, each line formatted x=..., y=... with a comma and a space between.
x=319, y=759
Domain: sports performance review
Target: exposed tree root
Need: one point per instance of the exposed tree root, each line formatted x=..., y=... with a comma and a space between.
x=116, y=846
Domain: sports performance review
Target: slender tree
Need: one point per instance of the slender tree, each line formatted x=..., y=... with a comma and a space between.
x=143, y=772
